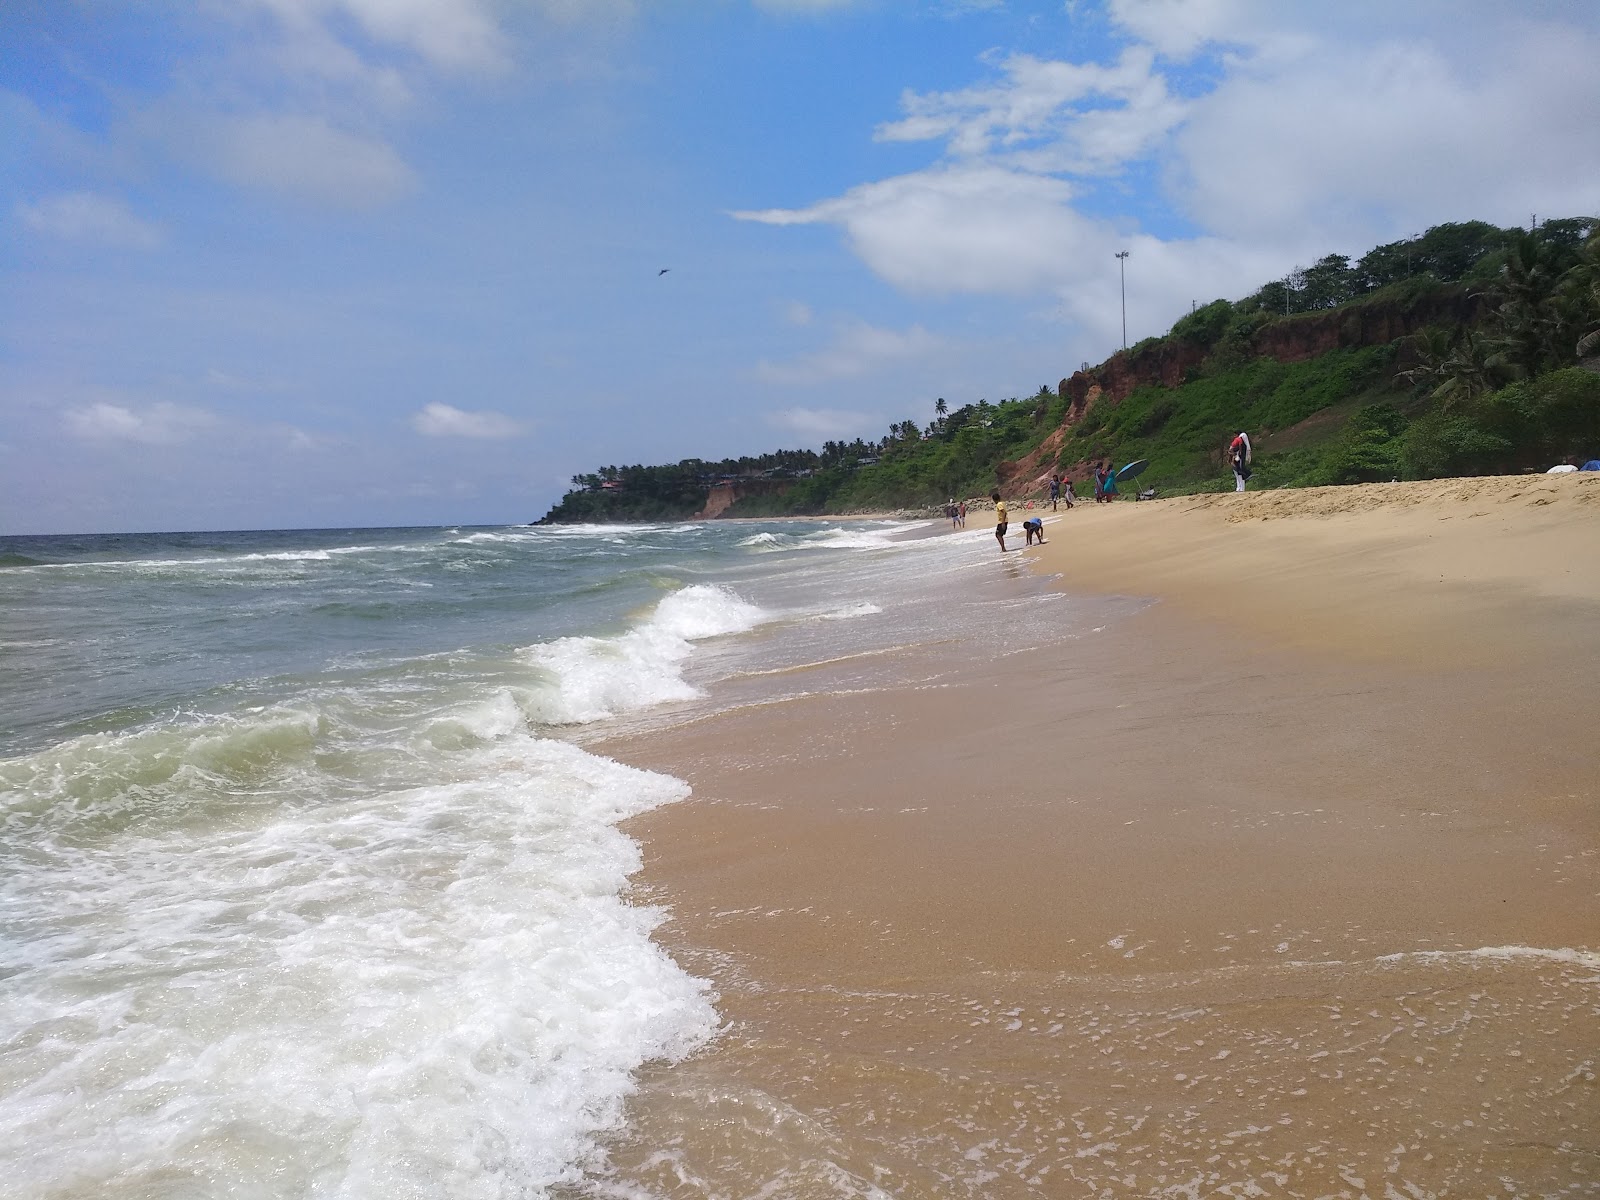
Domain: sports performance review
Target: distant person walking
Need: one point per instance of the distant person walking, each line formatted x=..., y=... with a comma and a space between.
x=1099, y=482
x=1109, y=488
x=1239, y=459
x=1000, y=520
x=954, y=513
x=1055, y=492
x=963, y=507
x=1068, y=493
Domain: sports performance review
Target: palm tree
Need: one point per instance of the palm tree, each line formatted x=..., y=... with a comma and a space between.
x=940, y=408
x=1581, y=289
x=1527, y=291
x=1457, y=365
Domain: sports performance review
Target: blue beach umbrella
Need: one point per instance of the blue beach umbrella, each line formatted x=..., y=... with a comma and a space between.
x=1132, y=469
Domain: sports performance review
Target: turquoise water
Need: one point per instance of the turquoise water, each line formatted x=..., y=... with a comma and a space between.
x=306, y=888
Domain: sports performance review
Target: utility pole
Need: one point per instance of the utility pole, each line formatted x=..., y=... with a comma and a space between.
x=1122, y=269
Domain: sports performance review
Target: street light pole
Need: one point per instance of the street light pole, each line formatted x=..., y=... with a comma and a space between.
x=1122, y=269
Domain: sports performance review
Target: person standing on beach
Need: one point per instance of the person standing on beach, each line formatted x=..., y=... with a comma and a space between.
x=1068, y=493
x=1109, y=487
x=963, y=513
x=1239, y=459
x=1099, y=482
x=999, y=520
x=1055, y=492
x=953, y=513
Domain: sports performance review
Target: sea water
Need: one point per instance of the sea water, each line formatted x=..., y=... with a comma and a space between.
x=307, y=885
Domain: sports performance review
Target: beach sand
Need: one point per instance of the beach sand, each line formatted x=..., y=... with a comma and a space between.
x=1287, y=883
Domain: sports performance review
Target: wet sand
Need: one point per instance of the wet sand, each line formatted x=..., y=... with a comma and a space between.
x=1285, y=884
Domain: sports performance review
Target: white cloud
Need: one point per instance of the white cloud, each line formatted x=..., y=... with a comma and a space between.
x=824, y=423
x=301, y=156
x=1081, y=118
x=859, y=349
x=1306, y=134
x=452, y=34
x=159, y=424
x=89, y=218
x=441, y=420
x=976, y=228
x=1179, y=27
x=1383, y=141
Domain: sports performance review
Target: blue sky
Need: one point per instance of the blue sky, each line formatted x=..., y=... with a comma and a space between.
x=286, y=263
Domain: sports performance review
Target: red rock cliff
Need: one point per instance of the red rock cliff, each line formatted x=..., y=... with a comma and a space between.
x=1287, y=339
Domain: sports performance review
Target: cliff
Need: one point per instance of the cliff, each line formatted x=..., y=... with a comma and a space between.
x=1298, y=338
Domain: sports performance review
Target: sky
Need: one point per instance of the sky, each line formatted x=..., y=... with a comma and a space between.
x=328, y=263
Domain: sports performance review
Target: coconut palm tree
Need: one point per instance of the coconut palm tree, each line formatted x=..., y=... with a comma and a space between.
x=1581, y=290
x=1527, y=291
x=1456, y=365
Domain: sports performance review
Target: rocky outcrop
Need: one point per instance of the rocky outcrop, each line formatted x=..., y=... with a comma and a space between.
x=720, y=499
x=724, y=496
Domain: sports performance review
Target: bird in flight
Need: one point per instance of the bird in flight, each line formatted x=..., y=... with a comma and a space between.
x=662, y=272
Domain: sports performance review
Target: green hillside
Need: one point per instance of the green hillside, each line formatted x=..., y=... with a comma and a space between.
x=1467, y=350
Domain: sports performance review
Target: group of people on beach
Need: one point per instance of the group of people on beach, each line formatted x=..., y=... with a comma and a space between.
x=1105, y=491
x=1105, y=483
x=1033, y=527
x=957, y=512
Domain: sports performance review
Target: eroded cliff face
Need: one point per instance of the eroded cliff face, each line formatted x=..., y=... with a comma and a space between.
x=1290, y=339
x=724, y=496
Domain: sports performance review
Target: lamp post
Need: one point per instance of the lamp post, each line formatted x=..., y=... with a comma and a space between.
x=1122, y=269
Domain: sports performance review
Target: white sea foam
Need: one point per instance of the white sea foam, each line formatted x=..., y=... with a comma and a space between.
x=849, y=612
x=862, y=537
x=1587, y=959
x=219, y=982
x=204, y=563
x=769, y=541
x=594, y=677
x=879, y=537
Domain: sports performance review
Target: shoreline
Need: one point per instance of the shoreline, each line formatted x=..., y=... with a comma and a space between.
x=1252, y=884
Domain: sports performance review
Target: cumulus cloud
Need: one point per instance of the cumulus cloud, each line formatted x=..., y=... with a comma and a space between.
x=1300, y=133
x=971, y=228
x=1179, y=27
x=91, y=219
x=859, y=349
x=822, y=422
x=1386, y=141
x=1081, y=118
x=160, y=424
x=442, y=420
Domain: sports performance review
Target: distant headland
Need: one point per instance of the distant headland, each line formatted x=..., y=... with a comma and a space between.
x=1468, y=350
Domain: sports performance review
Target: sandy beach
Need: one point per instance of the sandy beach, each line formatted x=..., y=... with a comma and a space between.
x=1282, y=880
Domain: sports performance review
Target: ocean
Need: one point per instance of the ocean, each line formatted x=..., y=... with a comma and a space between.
x=308, y=884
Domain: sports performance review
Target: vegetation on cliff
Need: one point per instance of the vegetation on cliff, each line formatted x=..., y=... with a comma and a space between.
x=1452, y=353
